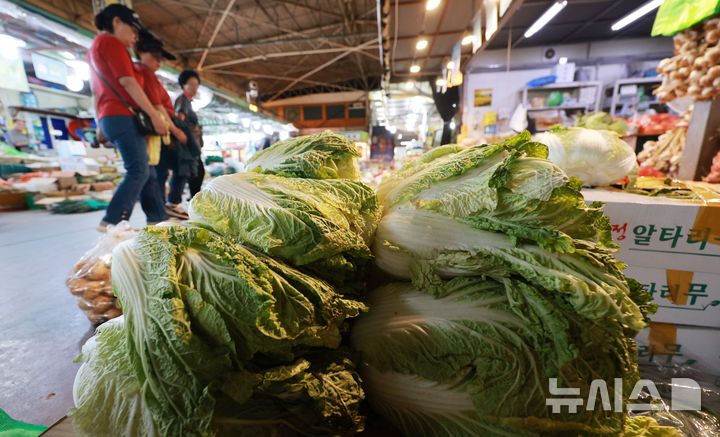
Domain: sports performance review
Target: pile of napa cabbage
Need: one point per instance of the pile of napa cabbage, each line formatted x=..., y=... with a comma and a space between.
x=505, y=279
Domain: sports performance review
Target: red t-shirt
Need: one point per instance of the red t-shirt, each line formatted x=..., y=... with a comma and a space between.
x=154, y=89
x=113, y=60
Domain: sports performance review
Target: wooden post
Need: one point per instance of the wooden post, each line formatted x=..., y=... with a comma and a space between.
x=703, y=140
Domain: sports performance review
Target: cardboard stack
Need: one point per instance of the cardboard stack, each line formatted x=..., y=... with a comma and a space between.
x=672, y=247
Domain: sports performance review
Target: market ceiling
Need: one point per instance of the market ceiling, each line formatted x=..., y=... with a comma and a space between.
x=579, y=21
x=286, y=46
x=294, y=47
x=451, y=20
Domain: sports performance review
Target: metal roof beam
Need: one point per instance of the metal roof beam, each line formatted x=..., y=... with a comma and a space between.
x=215, y=32
x=259, y=43
x=311, y=8
x=362, y=46
x=286, y=54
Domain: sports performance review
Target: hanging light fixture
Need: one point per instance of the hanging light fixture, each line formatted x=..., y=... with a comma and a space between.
x=415, y=68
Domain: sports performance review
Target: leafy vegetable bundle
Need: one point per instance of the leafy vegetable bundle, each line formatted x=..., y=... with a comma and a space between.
x=513, y=282
x=221, y=337
x=325, y=155
x=598, y=157
x=324, y=225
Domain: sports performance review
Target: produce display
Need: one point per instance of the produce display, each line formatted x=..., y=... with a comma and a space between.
x=695, y=68
x=240, y=323
x=324, y=155
x=597, y=157
x=663, y=155
x=219, y=336
x=512, y=282
x=90, y=278
x=602, y=121
x=714, y=175
x=654, y=124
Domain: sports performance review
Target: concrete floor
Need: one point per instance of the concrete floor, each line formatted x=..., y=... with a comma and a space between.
x=41, y=328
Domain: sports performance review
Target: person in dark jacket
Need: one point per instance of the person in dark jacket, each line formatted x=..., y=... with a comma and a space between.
x=189, y=81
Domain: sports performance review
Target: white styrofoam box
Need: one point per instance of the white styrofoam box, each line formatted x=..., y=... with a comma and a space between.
x=564, y=72
x=667, y=344
x=686, y=298
x=661, y=232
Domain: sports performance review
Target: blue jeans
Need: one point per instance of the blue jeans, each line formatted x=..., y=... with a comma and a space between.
x=140, y=180
x=168, y=161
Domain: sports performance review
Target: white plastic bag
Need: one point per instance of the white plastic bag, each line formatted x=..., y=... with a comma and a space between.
x=90, y=279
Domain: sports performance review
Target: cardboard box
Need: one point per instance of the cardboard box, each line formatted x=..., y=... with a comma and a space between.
x=661, y=232
x=102, y=186
x=65, y=179
x=12, y=201
x=686, y=298
x=667, y=344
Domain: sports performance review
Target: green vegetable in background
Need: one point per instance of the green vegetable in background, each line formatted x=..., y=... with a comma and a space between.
x=214, y=329
x=597, y=157
x=600, y=120
x=324, y=225
x=325, y=155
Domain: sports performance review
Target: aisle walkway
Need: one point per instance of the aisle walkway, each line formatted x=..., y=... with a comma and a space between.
x=41, y=328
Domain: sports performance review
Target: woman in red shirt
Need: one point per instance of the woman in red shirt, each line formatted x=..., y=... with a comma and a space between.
x=151, y=53
x=118, y=93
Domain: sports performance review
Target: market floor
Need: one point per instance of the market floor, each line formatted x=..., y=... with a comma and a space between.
x=41, y=327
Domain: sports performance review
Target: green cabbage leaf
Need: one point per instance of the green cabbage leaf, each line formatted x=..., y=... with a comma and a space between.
x=325, y=155
x=477, y=360
x=324, y=225
x=206, y=319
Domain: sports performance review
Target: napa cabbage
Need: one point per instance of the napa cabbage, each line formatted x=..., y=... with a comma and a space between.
x=503, y=209
x=324, y=225
x=597, y=157
x=476, y=360
x=213, y=330
x=325, y=155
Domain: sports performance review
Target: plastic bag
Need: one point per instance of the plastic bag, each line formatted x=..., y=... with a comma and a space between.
x=90, y=279
x=690, y=423
x=676, y=15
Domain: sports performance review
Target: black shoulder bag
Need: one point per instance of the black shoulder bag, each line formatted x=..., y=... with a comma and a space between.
x=143, y=119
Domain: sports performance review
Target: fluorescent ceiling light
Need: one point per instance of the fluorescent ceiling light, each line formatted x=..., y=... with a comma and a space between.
x=545, y=18
x=415, y=68
x=637, y=13
x=432, y=4
x=421, y=44
x=468, y=39
x=450, y=65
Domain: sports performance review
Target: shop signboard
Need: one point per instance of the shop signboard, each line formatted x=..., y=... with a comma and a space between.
x=49, y=69
x=12, y=73
x=456, y=76
x=477, y=32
